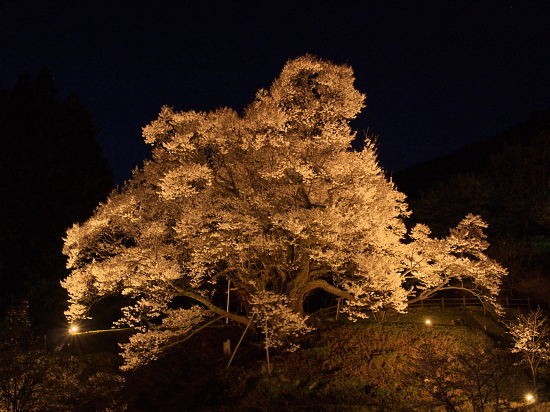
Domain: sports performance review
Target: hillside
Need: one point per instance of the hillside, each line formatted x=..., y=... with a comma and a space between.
x=402, y=364
x=472, y=158
x=506, y=181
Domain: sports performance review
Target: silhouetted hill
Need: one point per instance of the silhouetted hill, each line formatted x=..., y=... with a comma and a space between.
x=471, y=158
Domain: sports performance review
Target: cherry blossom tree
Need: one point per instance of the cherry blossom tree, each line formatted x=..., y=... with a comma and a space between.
x=456, y=262
x=531, y=334
x=269, y=207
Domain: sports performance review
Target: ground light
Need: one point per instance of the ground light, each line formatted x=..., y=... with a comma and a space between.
x=428, y=322
x=73, y=329
x=529, y=398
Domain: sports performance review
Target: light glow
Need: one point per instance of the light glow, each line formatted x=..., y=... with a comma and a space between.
x=530, y=398
x=74, y=329
x=428, y=322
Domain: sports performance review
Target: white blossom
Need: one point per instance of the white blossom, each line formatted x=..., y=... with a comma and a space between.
x=272, y=203
x=148, y=345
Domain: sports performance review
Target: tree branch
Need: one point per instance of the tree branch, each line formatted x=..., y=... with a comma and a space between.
x=323, y=284
x=430, y=292
x=237, y=318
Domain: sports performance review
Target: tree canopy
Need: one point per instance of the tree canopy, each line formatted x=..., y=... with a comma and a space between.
x=267, y=207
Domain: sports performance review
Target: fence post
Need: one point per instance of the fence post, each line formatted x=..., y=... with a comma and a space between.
x=463, y=300
x=442, y=302
x=422, y=303
x=507, y=303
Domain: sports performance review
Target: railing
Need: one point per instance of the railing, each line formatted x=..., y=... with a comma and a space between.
x=471, y=301
x=442, y=302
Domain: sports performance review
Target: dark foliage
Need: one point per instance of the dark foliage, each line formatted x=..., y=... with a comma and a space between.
x=187, y=378
x=52, y=174
x=35, y=380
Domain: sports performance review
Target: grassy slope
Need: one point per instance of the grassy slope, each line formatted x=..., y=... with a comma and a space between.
x=368, y=366
x=375, y=366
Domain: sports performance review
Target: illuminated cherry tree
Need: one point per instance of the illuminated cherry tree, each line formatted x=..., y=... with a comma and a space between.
x=269, y=207
x=531, y=334
x=456, y=262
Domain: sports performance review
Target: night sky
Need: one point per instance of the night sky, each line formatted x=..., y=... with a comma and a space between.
x=438, y=74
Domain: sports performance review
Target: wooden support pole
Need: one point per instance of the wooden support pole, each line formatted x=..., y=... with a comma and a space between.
x=267, y=344
x=227, y=306
x=240, y=340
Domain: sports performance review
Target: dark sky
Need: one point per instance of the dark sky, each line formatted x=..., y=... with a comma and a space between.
x=438, y=74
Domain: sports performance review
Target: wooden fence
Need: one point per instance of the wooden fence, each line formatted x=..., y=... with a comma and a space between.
x=443, y=302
